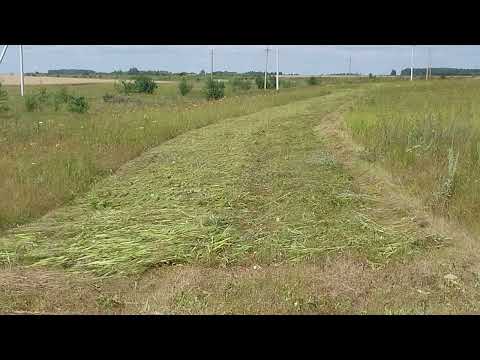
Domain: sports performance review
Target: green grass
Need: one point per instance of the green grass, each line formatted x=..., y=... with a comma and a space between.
x=251, y=189
x=48, y=157
x=428, y=135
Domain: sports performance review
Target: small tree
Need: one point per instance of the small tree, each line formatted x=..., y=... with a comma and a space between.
x=214, y=89
x=393, y=73
x=144, y=84
x=184, y=87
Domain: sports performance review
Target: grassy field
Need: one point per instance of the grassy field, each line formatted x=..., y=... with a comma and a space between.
x=48, y=157
x=256, y=204
x=428, y=135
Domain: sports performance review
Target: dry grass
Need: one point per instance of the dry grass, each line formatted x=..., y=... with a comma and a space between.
x=49, y=80
x=428, y=136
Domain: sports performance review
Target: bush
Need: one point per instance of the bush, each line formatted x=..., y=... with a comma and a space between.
x=31, y=102
x=241, y=84
x=214, y=89
x=3, y=99
x=108, y=97
x=142, y=84
x=271, y=82
x=42, y=96
x=77, y=104
x=184, y=87
x=60, y=97
x=287, y=84
x=312, y=80
x=145, y=84
x=259, y=81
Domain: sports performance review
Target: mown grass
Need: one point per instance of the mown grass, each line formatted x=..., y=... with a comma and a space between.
x=255, y=189
x=428, y=135
x=48, y=157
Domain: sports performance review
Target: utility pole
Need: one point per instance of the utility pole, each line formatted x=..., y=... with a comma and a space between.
x=429, y=63
x=277, y=72
x=21, y=65
x=21, y=70
x=427, y=68
x=3, y=53
x=411, y=66
x=211, y=74
x=266, y=68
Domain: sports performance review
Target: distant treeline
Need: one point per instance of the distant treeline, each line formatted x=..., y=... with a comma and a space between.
x=136, y=72
x=442, y=71
x=70, y=72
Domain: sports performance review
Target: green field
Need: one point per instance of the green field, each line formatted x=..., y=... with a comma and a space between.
x=312, y=200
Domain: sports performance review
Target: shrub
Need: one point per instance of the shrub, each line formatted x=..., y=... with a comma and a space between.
x=241, y=84
x=77, y=104
x=144, y=84
x=3, y=99
x=259, y=81
x=60, y=97
x=31, y=102
x=214, y=89
x=62, y=94
x=287, y=84
x=184, y=87
x=271, y=82
x=125, y=87
x=108, y=97
x=42, y=95
x=312, y=80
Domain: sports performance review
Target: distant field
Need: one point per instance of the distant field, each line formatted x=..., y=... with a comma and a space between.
x=48, y=80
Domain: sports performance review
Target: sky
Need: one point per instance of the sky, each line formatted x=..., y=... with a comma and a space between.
x=305, y=60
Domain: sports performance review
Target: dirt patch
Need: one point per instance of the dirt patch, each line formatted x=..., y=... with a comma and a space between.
x=27, y=291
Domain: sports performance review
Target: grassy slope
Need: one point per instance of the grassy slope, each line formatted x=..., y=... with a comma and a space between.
x=261, y=192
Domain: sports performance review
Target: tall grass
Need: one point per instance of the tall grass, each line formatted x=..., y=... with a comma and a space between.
x=428, y=135
x=48, y=157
